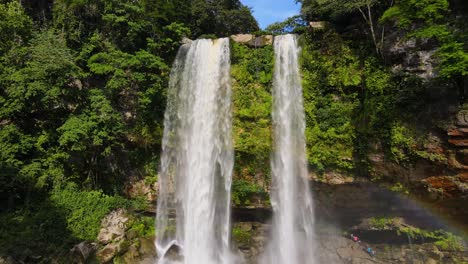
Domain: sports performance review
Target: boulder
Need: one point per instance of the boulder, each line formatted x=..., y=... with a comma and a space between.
x=173, y=254
x=147, y=247
x=82, y=252
x=111, y=250
x=113, y=226
x=132, y=255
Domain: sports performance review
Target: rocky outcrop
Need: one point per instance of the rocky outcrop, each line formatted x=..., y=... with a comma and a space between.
x=112, y=235
x=116, y=239
x=335, y=247
x=317, y=25
x=82, y=252
x=453, y=185
x=113, y=227
x=252, y=40
x=411, y=55
x=332, y=177
x=143, y=188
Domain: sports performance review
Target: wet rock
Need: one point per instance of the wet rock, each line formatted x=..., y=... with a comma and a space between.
x=82, y=252
x=449, y=186
x=332, y=177
x=246, y=226
x=131, y=255
x=147, y=247
x=174, y=253
x=106, y=254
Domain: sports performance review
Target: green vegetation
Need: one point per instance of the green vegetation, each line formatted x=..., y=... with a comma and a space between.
x=240, y=236
x=143, y=226
x=252, y=72
x=355, y=104
x=381, y=223
x=82, y=99
x=442, y=239
x=83, y=92
x=243, y=191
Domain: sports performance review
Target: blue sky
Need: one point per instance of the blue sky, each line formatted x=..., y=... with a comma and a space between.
x=270, y=11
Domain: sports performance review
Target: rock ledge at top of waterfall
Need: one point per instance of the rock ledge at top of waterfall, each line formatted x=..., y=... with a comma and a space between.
x=252, y=40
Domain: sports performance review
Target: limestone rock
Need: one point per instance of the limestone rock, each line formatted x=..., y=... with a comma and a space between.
x=113, y=226
x=185, y=40
x=462, y=118
x=142, y=188
x=317, y=25
x=132, y=255
x=242, y=38
x=106, y=254
x=411, y=55
x=82, y=251
x=147, y=247
x=252, y=40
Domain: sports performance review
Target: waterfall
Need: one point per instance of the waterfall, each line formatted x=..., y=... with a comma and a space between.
x=292, y=231
x=193, y=213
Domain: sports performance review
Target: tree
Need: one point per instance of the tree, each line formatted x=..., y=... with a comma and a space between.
x=336, y=8
x=290, y=25
x=15, y=26
x=221, y=18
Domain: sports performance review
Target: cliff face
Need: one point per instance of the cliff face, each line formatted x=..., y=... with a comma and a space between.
x=444, y=177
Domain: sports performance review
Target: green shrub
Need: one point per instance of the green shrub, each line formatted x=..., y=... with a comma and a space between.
x=84, y=210
x=144, y=226
x=243, y=190
x=240, y=236
x=381, y=222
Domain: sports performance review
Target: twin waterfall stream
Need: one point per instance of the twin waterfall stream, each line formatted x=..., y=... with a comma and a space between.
x=193, y=213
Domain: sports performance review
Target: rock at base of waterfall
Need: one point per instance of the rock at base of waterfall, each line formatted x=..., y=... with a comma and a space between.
x=83, y=251
x=106, y=254
x=173, y=254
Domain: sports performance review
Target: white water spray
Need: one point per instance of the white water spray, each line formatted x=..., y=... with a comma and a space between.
x=193, y=214
x=292, y=231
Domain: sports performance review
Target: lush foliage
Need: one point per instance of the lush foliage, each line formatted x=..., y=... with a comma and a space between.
x=432, y=22
x=82, y=96
x=252, y=71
